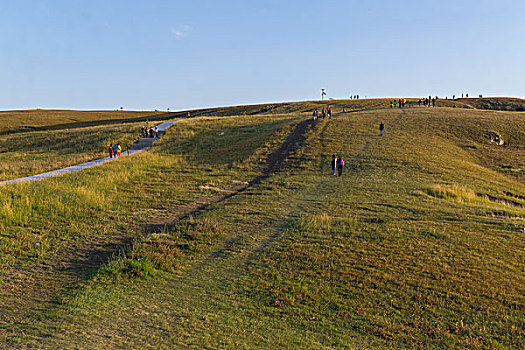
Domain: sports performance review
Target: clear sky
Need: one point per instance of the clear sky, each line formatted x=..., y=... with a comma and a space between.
x=155, y=54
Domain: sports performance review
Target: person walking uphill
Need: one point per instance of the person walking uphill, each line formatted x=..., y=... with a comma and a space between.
x=340, y=165
x=381, y=128
x=333, y=163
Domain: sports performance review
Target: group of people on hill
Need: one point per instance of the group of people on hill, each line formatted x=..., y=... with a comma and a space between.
x=337, y=164
x=114, y=150
x=399, y=103
x=427, y=102
x=149, y=132
x=324, y=113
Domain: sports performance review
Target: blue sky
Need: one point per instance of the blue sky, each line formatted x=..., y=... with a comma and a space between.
x=155, y=54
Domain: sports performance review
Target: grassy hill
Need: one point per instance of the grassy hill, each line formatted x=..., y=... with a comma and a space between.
x=231, y=233
x=40, y=119
x=496, y=103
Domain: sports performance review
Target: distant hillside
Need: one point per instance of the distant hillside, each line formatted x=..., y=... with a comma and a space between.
x=39, y=119
x=495, y=103
x=31, y=120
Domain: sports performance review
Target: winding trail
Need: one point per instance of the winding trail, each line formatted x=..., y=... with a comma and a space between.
x=142, y=145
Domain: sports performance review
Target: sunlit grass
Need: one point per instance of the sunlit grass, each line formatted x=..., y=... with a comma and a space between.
x=417, y=245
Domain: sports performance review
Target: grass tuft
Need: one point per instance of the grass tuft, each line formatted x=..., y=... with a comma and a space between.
x=452, y=192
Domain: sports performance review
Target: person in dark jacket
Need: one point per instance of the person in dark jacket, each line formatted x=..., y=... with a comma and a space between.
x=333, y=163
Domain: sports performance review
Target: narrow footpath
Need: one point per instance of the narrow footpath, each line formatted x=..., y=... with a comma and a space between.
x=143, y=144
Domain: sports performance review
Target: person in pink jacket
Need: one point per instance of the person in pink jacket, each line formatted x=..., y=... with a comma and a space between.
x=340, y=165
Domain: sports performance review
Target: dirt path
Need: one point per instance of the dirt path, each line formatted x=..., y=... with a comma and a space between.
x=57, y=281
x=272, y=164
x=78, y=269
x=205, y=285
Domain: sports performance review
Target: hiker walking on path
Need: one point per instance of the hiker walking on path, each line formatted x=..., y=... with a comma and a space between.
x=119, y=150
x=381, y=128
x=333, y=162
x=340, y=165
x=110, y=149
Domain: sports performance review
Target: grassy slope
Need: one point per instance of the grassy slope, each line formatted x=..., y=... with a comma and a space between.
x=495, y=103
x=54, y=233
x=405, y=250
x=20, y=120
x=47, y=140
x=64, y=138
x=417, y=245
x=30, y=153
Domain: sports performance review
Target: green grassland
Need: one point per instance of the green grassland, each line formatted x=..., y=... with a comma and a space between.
x=41, y=119
x=30, y=153
x=200, y=244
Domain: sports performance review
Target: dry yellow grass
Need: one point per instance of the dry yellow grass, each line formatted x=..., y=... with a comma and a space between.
x=29, y=119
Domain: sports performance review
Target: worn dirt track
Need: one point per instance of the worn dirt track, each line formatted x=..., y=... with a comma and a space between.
x=81, y=265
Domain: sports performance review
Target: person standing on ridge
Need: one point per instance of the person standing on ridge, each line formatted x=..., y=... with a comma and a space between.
x=381, y=128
